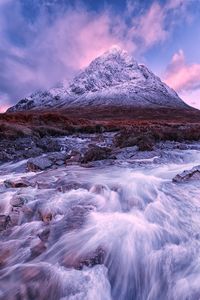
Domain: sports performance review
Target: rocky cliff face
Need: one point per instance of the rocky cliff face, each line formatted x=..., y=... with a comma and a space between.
x=114, y=78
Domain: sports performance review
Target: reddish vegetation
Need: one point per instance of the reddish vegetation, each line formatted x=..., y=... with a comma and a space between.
x=156, y=124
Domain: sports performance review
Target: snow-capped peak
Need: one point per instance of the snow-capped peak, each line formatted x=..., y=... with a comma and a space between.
x=113, y=78
x=110, y=69
x=116, y=52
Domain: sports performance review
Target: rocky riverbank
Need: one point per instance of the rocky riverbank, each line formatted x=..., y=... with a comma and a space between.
x=25, y=135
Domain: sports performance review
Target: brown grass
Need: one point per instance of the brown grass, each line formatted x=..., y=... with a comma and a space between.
x=159, y=124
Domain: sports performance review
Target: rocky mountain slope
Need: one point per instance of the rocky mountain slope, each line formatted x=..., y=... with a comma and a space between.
x=114, y=78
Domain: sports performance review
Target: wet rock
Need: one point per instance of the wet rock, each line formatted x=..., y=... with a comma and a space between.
x=15, y=216
x=4, y=156
x=96, y=153
x=63, y=185
x=98, y=163
x=95, y=258
x=44, y=185
x=30, y=281
x=91, y=259
x=18, y=207
x=193, y=174
x=4, y=222
x=20, y=200
x=57, y=156
x=44, y=235
x=35, y=151
x=38, y=249
x=20, y=183
x=99, y=189
x=48, y=144
x=60, y=162
x=26, y=147
x=125, y=139
x=74, y=157
x=38, y=164
x=146, y=143
x=73, y=220
x=28, y=212
x=20, y=148
x=45, y=216
x=128, y=138
x=4, y=256
x=17, y=201
x=24, y=143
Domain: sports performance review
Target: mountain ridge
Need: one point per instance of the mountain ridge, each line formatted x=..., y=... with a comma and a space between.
x=113, y=78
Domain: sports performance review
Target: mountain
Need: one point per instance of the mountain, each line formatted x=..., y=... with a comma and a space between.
x=113, y=79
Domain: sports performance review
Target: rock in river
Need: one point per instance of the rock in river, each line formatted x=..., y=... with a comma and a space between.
x=38, y=164
x=193, y=174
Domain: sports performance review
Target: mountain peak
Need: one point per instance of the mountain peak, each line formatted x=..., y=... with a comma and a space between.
x=115, y=55
x=112, y=68
x=114, y=78
x=114, y=51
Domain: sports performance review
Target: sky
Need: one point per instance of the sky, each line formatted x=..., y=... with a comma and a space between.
x=43, y=42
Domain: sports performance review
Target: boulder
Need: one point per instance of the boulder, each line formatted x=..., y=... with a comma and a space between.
x=15, y=216
x=20, y=200
x=27, y=153
x=4, y=222
x=45, y=215
x=38, y=164
x=146, y=143
x=96, y=153
x=20, y=183
x=44, y=234
x=28, y=212
x=57, y=158
x=4, y=156
x=127, y=138
x=48, y=144
x=4, y=256
x=91, y=259
x=74, y=157
x=187, y=175
x=64, y=185
x=74, y=219
x=38, y=249
x=31, y=281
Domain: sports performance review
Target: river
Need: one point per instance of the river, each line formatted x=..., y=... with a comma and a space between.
x=124, y=231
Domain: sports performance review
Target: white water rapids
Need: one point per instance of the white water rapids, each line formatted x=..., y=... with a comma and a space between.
x=126, y=233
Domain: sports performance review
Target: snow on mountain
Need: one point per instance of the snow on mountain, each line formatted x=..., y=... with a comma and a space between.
x=114, y=78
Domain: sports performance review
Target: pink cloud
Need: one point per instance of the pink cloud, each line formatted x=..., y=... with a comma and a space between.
x=150, y=26
x=57, y=50
x=184, y=78
x=181, y=75
x=3, y=108
x=192, y=97
x=4, y=102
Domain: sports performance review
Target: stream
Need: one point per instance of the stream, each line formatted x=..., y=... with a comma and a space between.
x=124, y=231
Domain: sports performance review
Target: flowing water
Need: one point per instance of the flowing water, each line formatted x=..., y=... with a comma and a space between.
x=121, y=232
